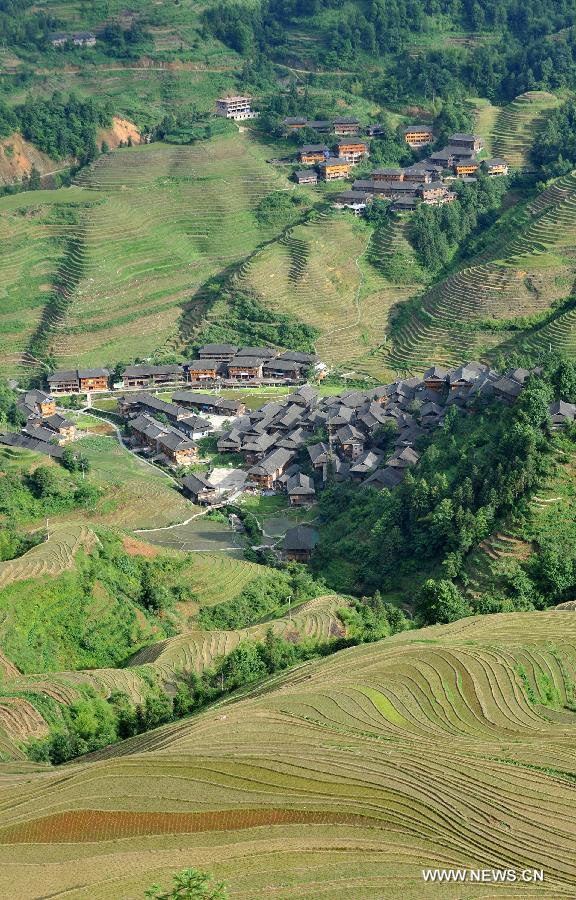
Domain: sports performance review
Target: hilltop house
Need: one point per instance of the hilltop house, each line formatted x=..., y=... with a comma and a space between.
x=237, y=108
x=74, y=381
x=210, y=403
x=305, y=176
x=245, y=367
x=472, y=142
x=300, y=489
x=37, y=403
x=333, y=167
x=218, y=352
x=346, y=125
x=177, y=448
x=203, y=369
x=268, y=470
x=495, y=166
x=146, y=375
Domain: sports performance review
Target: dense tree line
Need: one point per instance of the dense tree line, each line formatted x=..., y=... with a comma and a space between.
x=473, y=472
x=554, y=147
x=527, y=54
x=248, y=322
x=437, y=232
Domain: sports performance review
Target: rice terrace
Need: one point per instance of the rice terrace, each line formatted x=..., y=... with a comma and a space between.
x=287, y=449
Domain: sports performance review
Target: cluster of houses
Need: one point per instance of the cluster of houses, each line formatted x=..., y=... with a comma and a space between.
x=295, y=444
x=76, y=38
x=46, y=430
x=330, y=163
x=427, y=181
x=216, y=363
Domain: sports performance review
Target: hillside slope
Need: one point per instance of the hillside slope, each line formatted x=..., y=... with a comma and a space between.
x=452, y=747
x=486, y=304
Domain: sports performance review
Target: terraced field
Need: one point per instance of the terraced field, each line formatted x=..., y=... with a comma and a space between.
x=516, y=124
x=217, y=577
x=535, y=268
x=319, y=273
x=448, y=747
x=50, y=558
x=158, y=221
x=30, y=241
x=197, y=650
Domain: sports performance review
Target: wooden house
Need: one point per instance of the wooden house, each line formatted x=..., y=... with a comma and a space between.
x=471, y=142
x=352, y=149
x=299, y=543
x=562, y=413
x=322, y=126
x=507, y=389
x=177, y=448
x=469, y=167
x=93, y=379
x=333, y=167
x=465, y=376
x=346, y=125
x=433, y=193
x=282, y=368
x=310, y=154
x=218, y=352
x=37, y=403
x=354, y=200
x=147, y=376
x=389, y=173
x=300, y=490
x=305, y=176
x=268, y=470
x=435, y=378
x=351, y=440
x=258, y=352
x=294, y=123
x=64, y=428
x=37, y=431
x=418, y=135
x=495, y=166
x=245, y=368
x=198, y=489
x=203, y=370
x=64, y=381
x=210, y=403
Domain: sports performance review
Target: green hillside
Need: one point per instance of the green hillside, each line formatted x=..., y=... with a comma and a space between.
x=449, y=747
x=500, y=301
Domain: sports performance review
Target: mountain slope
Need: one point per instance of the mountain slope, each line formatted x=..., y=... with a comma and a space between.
x=451, y=746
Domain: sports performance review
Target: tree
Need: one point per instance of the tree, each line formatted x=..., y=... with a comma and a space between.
x=190, y=884
x=441, y=601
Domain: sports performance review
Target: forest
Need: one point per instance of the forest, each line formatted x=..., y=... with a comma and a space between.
x=525, y=46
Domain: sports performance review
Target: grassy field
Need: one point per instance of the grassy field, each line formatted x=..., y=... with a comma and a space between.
x=448, y=747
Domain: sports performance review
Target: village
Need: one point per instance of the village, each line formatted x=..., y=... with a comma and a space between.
x=291, y=446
